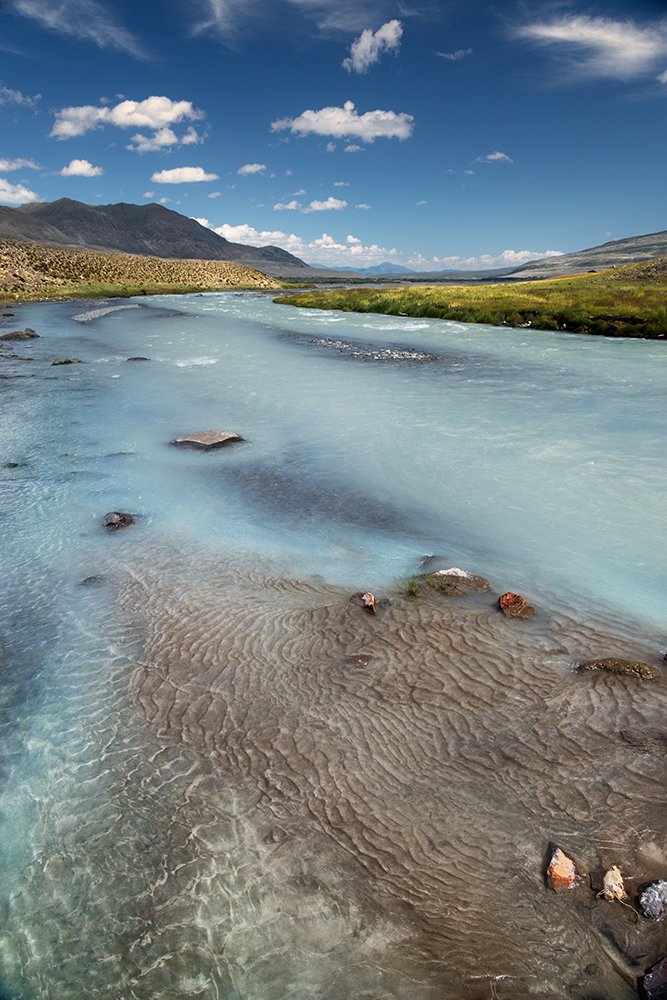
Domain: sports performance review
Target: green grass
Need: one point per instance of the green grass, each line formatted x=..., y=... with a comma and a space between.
x=628, y=301
x=98, y=291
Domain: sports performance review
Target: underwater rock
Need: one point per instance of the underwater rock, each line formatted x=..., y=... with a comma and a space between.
x=26, y=334
x=562, y=871
x=67, y=361
x=91, y=581
x=653, y=900
x=365, y=600
x=628, y=668
x=207, y=440
x=515, y=606
x=654, y=983
x=117, y=519
x=138, y=357
x=452, y=582
x=612, y=885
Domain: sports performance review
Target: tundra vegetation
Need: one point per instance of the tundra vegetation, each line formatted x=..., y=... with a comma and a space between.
x=628, y=301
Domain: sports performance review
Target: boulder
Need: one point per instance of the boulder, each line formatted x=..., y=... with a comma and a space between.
x=207, y=440
x=26, y=334
x=117, y=519
x=67, y=361
x=628, y=668
x=515, y=606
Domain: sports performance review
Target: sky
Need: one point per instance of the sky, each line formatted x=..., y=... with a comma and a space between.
x=450, y=134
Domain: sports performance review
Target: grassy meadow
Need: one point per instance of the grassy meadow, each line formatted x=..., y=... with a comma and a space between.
x=628, y=301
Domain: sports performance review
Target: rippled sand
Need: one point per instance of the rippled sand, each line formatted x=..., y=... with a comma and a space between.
x=320, y=825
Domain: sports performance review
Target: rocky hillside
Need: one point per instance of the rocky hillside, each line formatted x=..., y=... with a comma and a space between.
x=34, y=271
x=140, y=229
x=600, y=258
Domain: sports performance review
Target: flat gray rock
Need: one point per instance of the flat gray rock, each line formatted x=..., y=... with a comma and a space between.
x=208, y=439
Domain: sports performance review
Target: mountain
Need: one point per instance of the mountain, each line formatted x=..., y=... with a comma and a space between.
x=385, y=268
x=630, y=250
x=150, y=230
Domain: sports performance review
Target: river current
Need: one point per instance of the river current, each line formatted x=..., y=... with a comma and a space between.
x=220, y=778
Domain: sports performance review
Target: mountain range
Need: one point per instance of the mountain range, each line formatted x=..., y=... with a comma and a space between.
x=158, y=231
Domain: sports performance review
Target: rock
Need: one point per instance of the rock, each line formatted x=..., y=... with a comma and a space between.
x=67, y=361
x=612, y=885
x=26, y=334
x=515, y=606
x=654, y=984
x=629, y=668
x=365, y=600
x=452, y=582
x=562, y=871
x=91, y=581
x=207, y=440
x=12, y=465
x=653, y=900
x=117, y=519
x=138, y=358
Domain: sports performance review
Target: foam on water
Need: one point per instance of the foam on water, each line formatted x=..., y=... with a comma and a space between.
x=217, y=780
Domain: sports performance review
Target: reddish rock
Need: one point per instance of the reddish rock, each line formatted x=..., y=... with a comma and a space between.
x=515, y=606
x=562, y=871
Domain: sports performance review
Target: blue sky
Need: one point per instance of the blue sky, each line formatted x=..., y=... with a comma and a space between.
x=434, y=134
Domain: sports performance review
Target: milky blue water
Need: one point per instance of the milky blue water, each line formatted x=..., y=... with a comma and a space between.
x=535, y=459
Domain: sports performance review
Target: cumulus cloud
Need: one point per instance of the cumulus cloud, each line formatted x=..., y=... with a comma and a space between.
x=163, y=138
x=330, y=205
x=345, y=122
x=603, y=47
x=6, y=166
x=183, y=175
x=10, y=96
x=353, y=148
x=81, y=168
x=366, y=50
x=251, y=168
x=455, y=56
x=325, y=249
x=85, y=20
x=290, y=206
x=156, y=113
x=507, y=258
x=15, y=194
x=496, y=157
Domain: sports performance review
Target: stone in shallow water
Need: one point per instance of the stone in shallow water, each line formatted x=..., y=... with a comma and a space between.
x=207, y=440
x=653, y=900
x=515, y=606
x=365, y=600
x=138, y=357
x=67, y=361
x=654, y=983
x=562, y=871
x=628, y=668
x=117, y=519
x=26, y=334
x=452, y=582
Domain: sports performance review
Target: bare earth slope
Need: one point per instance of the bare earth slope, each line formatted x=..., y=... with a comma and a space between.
x=36, y=271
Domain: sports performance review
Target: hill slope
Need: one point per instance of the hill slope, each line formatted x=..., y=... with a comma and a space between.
x=34, y=271
x=141, y=229
x=616, y=253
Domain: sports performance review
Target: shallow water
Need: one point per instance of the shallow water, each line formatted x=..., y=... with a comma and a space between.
x=205, y=791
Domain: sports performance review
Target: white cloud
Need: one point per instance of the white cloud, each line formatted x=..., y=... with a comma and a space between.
x=507, y=258
x=421, y=201
x=224, y=17
x=6, y=166
x=496, y=157
x=214, y=194
x=363, y=205
x=290, y=206
x=330, y=205
x=604, y=48
x=154, y=112
x=251, y=168
x=341, y=184
x=353, y=148
x=81, y=168
x=163, y=138
x=85, y=20
x=148, y=194
x=183, y=175
x=325, y=249
x=455, y=56
x=345, y=122
x=663, y=77
x=15, y=194
x=366, y=50
x=300, y=193
x=331, y=147
x=10, y=96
